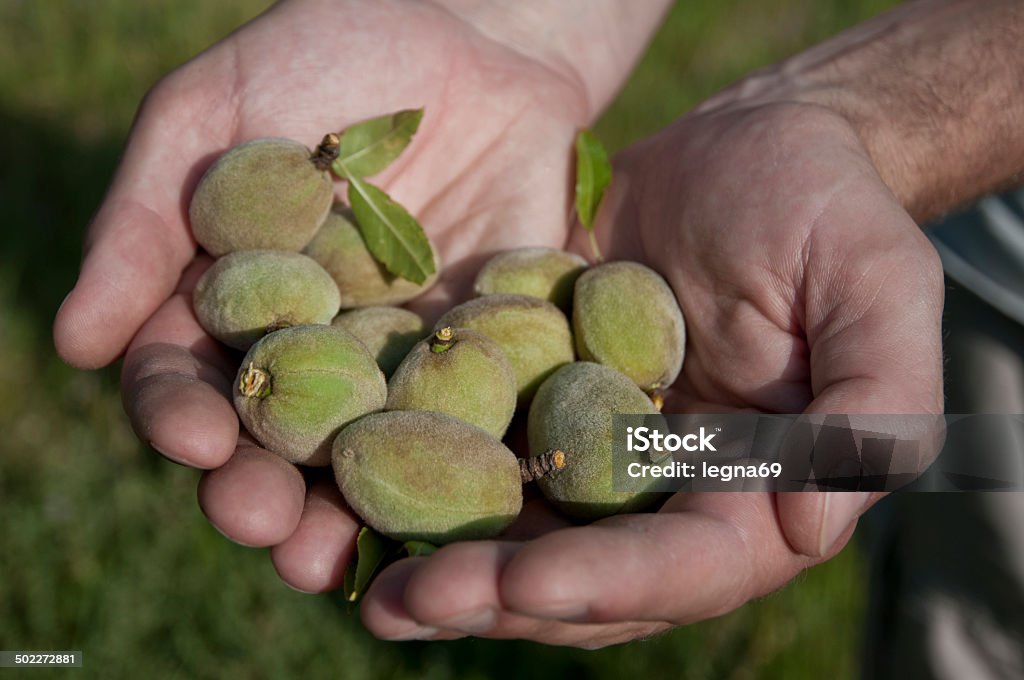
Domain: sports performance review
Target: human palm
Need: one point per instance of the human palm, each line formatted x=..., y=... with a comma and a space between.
x=488, y=169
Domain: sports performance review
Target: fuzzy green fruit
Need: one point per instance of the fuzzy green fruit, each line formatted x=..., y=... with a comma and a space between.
x=388, y=332
x=543, y=273
x=625, y=316
x=534, y=334
x=572, y=412
x=299, y=386
x=250, y=293
x=340, y=249
x=416, y=475
x=459, y=372
x=265, y=194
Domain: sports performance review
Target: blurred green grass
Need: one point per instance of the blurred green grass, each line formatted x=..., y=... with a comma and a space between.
x=103, y=548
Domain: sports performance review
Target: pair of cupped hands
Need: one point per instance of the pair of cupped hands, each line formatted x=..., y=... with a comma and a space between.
x=806, y=287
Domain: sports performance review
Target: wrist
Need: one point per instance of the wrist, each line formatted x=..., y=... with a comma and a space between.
x=592, y=43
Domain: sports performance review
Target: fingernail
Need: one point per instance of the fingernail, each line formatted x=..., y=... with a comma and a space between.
x=479, y=621
x=418, y=633
x=841, y=509
x=298, y=589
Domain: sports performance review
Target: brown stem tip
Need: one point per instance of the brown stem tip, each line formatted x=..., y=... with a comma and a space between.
x=658, y=399
x=442, y=340
x=254, y=382
x=548, y=463
x=327, y=151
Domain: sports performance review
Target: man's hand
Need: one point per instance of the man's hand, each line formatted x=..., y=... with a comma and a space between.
x=778, y=212
x=806, y=288
x=488, y=170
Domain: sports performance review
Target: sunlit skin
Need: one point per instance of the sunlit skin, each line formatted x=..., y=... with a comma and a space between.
x=783, y=245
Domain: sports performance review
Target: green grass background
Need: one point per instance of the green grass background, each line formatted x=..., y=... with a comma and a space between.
x=102, y=545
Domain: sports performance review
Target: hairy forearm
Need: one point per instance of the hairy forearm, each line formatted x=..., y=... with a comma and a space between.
x=596, y=42
x=935, y=90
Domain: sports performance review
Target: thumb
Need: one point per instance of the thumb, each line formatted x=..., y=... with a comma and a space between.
x=877, y=353
x=139, y=241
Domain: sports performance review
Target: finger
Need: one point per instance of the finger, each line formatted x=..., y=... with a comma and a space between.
x=382, y=610
x=813, y=522
x=874, y=322
x=175, y=386
x=314, y=557
x=456, y=590
x=874, y=328
x=139, y=241
x=254, y=499
x=702, y=555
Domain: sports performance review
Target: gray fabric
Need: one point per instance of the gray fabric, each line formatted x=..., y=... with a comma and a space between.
x=947, y=595
x=983, y=250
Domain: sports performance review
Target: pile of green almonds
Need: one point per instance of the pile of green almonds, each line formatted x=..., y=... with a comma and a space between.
x=412, y=418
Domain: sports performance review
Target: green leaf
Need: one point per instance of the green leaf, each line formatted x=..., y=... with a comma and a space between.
x=367, y=148
x=593, y=174
x=372, y=551
x=393, y=236
x=419, y=548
